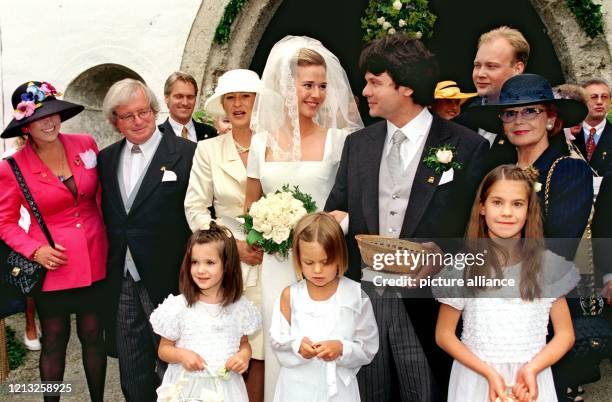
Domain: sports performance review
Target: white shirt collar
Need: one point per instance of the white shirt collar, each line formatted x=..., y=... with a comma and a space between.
x=598, y=128
x=149, y=146
x=415, y=129
x=178, y=127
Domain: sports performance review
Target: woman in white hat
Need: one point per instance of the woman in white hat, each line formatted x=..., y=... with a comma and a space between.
x=218, y=179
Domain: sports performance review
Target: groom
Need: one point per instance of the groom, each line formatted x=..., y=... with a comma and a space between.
x=387, y=189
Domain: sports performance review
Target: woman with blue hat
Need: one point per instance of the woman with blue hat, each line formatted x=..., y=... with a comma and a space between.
x=530, y=116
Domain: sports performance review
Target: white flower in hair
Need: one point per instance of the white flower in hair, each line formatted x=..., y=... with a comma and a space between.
x=402, y=23
x=391, y=31
x=537, y=186
x=89, y=158
x=397, y=5
x=386, y=25
x=380, y=20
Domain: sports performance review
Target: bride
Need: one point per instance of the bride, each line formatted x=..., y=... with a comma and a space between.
x=300, y=121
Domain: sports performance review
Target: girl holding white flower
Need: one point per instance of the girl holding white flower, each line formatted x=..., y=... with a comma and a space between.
x=300, y=120
x=323, y=327
x=206, y=326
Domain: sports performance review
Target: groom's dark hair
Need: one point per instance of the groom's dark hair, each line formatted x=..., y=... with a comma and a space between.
x=406, y=60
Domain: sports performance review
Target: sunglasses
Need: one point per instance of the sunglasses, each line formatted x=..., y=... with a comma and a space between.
x=527, y=113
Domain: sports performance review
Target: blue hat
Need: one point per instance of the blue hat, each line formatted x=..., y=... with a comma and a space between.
x=523, y=90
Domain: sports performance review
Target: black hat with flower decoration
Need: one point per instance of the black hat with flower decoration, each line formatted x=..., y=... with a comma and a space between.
x=34, y=100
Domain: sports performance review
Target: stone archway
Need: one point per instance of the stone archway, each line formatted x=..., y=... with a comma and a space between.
x=89, y=89
x=207, y=60
x=580, y=56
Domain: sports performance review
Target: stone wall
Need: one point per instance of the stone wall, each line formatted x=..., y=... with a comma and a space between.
x=580, y=56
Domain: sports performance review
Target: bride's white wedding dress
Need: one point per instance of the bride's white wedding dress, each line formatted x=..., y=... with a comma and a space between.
x=313, y=177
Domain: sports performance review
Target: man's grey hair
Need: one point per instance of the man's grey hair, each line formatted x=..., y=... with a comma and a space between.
x=596, y=81
x=121, y=93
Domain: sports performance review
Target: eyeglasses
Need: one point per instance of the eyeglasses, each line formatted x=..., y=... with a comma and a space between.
x=527, y=113
x=131, y=117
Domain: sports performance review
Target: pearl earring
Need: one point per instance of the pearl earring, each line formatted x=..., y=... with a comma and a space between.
x=549, y=126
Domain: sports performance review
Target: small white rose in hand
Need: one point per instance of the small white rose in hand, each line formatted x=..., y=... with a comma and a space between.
x=444, y=156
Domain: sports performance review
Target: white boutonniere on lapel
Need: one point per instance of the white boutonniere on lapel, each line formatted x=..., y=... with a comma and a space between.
x=89, y=159
x=441, y=159
x=169, y=175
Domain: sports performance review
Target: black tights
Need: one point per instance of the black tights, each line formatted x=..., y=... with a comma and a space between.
x=55, y=335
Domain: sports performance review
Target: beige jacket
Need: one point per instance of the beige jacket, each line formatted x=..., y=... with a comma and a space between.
x=218, y=178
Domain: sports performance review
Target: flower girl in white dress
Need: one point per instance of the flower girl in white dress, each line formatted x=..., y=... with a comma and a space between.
x=503, y=354
x=204, y=329
x=323, y=327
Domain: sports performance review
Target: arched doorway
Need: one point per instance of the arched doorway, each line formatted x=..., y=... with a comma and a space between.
x=562, y=51
x=89, y=89
x=456, y=32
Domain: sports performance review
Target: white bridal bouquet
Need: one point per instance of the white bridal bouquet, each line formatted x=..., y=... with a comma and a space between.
x=270, y=221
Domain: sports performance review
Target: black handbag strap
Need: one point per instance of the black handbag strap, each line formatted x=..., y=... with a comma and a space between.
x=28, y=196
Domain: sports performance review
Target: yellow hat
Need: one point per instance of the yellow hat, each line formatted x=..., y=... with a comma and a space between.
x=450, y=90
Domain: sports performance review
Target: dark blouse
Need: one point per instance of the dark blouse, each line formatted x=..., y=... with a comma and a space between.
x=570, y=200
x=71, y=185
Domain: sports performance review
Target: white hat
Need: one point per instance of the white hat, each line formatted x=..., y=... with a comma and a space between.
x=239, y=80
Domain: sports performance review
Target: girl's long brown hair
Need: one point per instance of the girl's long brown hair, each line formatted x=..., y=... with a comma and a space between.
x=231, y=283
x=532, y=242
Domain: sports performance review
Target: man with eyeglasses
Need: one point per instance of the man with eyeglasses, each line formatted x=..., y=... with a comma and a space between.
x=180, y=92
x=595, y=141
x=502, y=53
x=144, y=180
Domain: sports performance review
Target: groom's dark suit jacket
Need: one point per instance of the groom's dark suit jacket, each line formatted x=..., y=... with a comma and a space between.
x=155, y=228
x=433, y=211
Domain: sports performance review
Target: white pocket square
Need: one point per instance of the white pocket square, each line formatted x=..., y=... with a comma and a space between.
x=446, y=177
x=169, y=175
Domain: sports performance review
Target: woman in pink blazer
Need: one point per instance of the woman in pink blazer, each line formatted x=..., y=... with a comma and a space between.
x=60, y=171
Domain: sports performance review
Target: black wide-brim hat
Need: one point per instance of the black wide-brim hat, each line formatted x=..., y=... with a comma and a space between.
x=46, y=107
x=524, y=90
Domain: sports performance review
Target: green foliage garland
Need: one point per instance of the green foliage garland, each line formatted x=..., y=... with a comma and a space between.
x=232, y=9
x=588, y=15
x=383, y=17
x=16, y=351
x=202, y=117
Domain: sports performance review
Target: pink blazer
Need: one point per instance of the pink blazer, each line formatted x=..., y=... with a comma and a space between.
x=75, y=223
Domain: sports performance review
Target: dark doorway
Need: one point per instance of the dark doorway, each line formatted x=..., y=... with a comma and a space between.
x=336, y=23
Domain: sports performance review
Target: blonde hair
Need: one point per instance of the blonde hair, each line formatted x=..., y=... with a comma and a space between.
x=179, y=76
x=514, y=37
x=309, y=57
x=321, y=228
